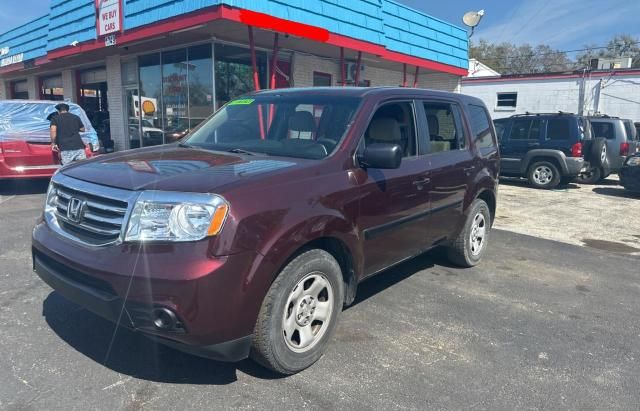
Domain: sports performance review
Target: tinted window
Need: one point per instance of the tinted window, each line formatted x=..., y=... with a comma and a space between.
x=558, y=129
x=481, y=126
x=631, y=130
x=525, y=129
x=445, y=127
x=603, y=129
x=393, y=123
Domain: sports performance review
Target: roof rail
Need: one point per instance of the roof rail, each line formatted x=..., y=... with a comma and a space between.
x=561, y=113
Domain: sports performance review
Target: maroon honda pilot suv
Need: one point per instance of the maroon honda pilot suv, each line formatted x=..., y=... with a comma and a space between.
x=249, y=236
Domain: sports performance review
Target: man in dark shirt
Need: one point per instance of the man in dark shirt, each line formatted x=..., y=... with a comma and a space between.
x=65, y=135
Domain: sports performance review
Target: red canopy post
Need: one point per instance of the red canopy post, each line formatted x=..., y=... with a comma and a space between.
x=358, y=65
x=415, y=77
x=342, y=68
x=404, y=75
x=256, y=79
x=272, y=70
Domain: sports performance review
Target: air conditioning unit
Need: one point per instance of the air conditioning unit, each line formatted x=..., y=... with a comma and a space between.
x=351, y=71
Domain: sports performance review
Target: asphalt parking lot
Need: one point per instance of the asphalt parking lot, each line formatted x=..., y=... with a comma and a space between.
x=539, y=324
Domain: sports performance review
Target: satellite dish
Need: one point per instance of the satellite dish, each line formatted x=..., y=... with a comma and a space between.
x=472, y=18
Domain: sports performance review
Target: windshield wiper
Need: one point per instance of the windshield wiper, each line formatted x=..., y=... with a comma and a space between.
x=184, y=145
x=242, y=151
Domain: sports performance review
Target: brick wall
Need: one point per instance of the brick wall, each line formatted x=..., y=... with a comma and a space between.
x=304, y=65
x=117, y=120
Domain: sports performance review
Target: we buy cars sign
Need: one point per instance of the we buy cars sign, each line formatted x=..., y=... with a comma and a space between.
x=109, y=16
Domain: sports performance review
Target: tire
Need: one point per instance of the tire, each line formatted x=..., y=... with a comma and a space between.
x=598, y=153
x=465, y=251
x=543, y=174
x=290, y=335
x=592, y=176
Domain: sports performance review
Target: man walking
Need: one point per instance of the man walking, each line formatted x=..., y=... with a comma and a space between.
x=65, y=135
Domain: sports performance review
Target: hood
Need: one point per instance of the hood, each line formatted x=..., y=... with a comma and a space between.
x=174, y=168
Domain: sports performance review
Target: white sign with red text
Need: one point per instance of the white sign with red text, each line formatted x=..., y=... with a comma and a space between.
x=109, y=16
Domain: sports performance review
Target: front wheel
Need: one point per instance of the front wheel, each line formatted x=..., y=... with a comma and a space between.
x=470, y=245
x=543, y=174
x=299, y=314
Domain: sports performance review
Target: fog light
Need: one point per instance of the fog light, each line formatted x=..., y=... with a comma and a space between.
x=164, y=319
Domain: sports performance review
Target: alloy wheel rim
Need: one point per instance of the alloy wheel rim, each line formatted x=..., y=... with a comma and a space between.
x=542, y=175
x=603, y=154
x=478, y=233
x=308, y=312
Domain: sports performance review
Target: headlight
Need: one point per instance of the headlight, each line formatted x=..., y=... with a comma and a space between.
x=633, y=161
x=51, y=201
x=168, y=216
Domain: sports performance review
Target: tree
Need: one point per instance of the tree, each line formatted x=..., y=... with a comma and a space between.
x=622, y=45
x=509, y=58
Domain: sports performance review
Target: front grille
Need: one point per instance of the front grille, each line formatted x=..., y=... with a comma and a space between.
x=100, y=221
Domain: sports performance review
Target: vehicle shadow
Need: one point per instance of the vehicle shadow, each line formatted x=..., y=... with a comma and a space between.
x=616, y=192
x=392, y=276
x=521, y=182
x=23, y=187
x=130, y=353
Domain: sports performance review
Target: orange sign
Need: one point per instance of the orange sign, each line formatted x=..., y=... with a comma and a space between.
x=148, y=107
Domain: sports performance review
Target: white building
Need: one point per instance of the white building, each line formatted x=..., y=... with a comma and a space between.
x=479, y=69
x=612, y=92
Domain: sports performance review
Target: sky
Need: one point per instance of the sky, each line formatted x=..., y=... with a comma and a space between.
x=562, y=24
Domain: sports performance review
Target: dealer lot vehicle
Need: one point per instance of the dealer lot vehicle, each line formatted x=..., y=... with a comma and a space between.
x=25, y=141
x=546, y=149
x=249, y=236
x=630, y=173
x=620, y=138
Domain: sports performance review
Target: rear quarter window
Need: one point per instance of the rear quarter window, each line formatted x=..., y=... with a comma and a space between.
x=603, y=129
x=481, y=126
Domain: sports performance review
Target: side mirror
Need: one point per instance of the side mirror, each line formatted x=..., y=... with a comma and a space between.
x=384, y=156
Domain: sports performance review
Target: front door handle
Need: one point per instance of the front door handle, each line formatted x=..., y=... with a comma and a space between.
x=469, y=169
x=533, y=144
x=422, y=182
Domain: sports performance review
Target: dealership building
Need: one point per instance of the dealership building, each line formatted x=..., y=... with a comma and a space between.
x=147, y=71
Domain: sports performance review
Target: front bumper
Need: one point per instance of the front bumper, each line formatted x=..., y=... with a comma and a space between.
x=214, y=306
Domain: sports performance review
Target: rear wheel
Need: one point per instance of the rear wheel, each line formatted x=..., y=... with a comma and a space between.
x=543, y=174
x=470, y=245
x=299, y=313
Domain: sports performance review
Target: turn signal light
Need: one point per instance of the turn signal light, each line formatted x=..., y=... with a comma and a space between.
x=218, y=219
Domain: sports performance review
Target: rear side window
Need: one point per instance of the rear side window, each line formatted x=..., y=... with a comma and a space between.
x=525, y=129
x=603, y=129
x=631, y=130
x=558, y=129
x=445, y=129
x=481, y=126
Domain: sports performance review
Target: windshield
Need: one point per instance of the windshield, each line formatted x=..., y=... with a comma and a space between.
x=291, y=126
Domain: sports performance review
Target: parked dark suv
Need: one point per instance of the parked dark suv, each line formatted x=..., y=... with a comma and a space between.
x=544, y=148
x=248, y=237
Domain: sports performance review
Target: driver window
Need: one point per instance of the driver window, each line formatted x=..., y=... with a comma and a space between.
x=393, y=123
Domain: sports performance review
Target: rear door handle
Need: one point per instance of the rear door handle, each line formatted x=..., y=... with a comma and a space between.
x=533, y=144
x=469, y=169
x=422, y=182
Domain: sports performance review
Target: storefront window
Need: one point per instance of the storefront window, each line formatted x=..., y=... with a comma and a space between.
x=234, y=74
x=200, y=84
x=19, y=90
x=175, y=69
x=52, y=88
x=146, y=106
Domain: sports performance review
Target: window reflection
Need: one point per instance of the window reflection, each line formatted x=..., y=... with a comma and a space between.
x=234, y=74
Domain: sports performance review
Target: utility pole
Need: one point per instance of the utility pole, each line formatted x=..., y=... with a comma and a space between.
x=596, y=98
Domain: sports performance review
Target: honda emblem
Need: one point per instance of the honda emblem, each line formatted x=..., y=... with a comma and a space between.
x=75, y=209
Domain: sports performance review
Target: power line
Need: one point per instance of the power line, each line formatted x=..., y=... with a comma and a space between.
x=527, y=56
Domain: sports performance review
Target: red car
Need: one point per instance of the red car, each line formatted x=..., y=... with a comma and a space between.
x=249, y=237
x=25, y=142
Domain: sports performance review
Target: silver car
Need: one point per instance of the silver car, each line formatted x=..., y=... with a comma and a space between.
x=621, y=137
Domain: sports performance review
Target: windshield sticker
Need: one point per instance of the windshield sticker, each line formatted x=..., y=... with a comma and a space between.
x=241, y=102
